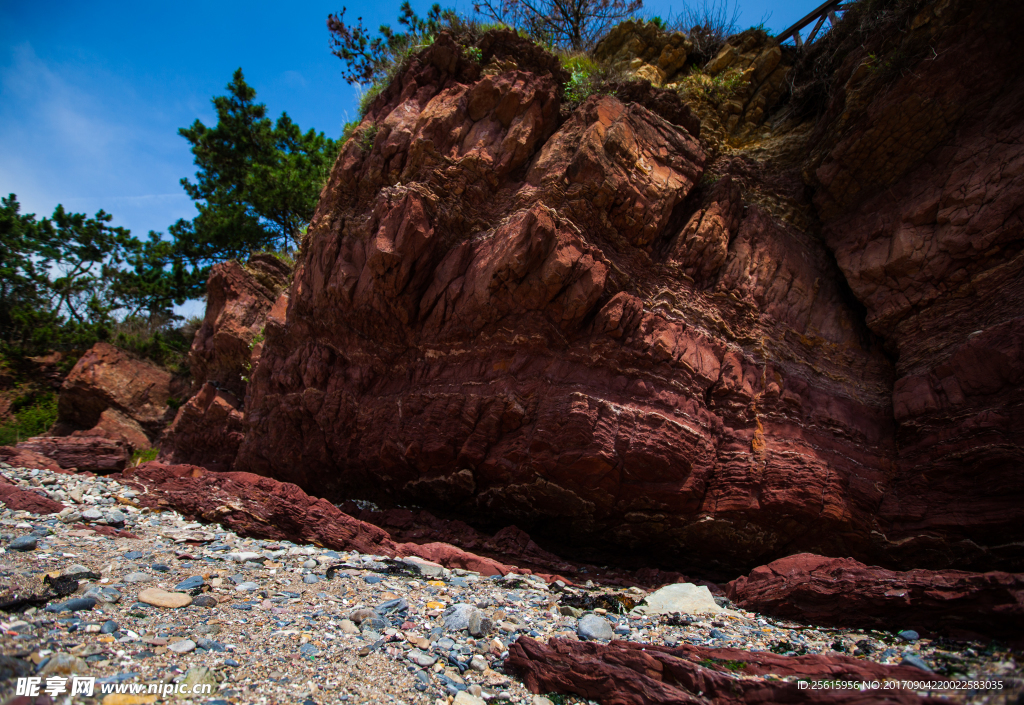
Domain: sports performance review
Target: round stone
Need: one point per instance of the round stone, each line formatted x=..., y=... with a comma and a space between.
x=22, y=543
x=593, y=627
x=182, y=647
x=163, y=598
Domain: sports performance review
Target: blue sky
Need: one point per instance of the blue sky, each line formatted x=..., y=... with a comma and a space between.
x=92, y=94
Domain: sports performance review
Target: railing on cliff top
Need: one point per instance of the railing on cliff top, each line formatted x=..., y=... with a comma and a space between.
x=827, y=11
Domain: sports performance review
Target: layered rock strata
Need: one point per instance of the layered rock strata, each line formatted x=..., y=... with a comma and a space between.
x=577, y=323
x=208, y=427
x=841, y=591
x=527, y=320
x=627, y=673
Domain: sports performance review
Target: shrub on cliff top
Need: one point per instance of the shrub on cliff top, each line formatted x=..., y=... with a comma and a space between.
x=369, y=59
x=572, y=24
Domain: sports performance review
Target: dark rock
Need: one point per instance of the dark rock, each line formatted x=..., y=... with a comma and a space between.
x=74, y=605
x=646, y=674
x=22, y=543
x=190, y=583
x=844, y=592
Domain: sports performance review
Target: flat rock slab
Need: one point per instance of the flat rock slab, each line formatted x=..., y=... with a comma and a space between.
x=684, y=598
x=163, y=598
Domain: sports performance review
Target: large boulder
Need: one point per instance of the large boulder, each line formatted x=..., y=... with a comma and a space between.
x=88, y=453
x=503, y=337
x=114, y=395
x=583, y=325
x=846, y=593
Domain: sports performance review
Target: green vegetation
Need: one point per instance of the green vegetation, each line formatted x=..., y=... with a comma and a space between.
x=257, y=183
x=347, y=131
x=369, y=59
x=34, y=412
x=723, y=663
x=69, y=280
x=585, y=78
x=716, y=89
x=144, y=456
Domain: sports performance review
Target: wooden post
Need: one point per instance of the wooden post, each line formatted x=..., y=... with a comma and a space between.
x=796, y=39
x=814, y=32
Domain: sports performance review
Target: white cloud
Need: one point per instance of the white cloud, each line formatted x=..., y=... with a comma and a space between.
x=78, y=135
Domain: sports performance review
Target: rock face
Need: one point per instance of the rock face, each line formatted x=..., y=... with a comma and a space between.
x=208, y=428
x=524, y=352
x=841, y=591
x=266, y=508
x=579, y=324
x=237, y=301
x=627, y=673
x=109, y=394
x=929, y=237
x=643, y=48
x=90, y=453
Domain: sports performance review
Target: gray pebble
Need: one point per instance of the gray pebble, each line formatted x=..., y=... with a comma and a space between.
x=22, y=543
x=182, y=647
x=191, y=583
x=594, y=627
x=73, y=605
x=916, y=662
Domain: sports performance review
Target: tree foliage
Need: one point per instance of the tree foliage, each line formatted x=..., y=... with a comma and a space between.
x=570, y=24
x=257, y=182
x=368, y=59
x=66, y=279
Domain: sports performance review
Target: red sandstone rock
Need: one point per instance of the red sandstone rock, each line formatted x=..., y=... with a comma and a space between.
x=627, y=673
x=843, y=592
x=207, y=430
x=95, y=453
x=107, y=531
x=208, y=427
x=23, y=458
x=928, y=235
x=585, y=326
x=501, y=333
x=237, y=301
x=264, y=507
x=111, y=391
x=25, y=500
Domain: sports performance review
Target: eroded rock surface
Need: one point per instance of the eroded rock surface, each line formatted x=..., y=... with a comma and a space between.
x=88, y=453
x=110, y=394
x=578, y=324
x=842, y=591
x=623, y=673
x=516, y=347
x=207, y=429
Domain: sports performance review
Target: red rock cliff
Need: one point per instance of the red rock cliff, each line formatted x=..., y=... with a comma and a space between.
x=584, y=323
